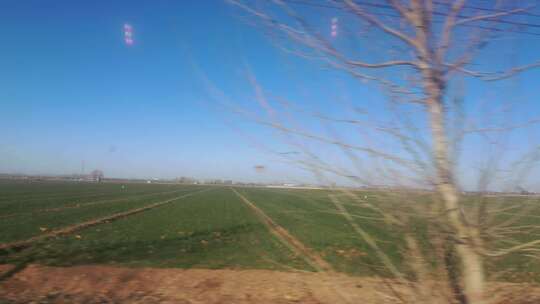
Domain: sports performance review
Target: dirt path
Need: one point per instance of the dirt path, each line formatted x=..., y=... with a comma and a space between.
x=295, y=245
x=102, y=284
x=85, y=204
x=105, y=284
x=70, y=229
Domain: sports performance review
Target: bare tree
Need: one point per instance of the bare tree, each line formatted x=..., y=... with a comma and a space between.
x=432, y=45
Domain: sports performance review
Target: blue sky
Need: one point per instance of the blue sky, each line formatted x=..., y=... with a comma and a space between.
x=72, y=91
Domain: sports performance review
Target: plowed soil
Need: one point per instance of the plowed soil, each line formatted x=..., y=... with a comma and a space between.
x=105, y=284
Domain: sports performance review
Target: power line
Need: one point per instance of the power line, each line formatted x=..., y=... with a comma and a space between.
x=386, y=6
x=383, y=6
x=490, y=9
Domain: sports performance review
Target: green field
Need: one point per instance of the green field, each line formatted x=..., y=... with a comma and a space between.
x=211, y=228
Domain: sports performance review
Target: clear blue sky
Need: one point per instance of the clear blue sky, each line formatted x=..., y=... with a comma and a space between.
x=73, y=91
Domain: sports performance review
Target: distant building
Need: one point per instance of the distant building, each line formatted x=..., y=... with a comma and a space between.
x=96, y=176
x=522, y=191
x=186, y=180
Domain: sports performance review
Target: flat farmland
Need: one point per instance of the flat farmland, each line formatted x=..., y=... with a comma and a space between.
x=205, y=227
x=26, y=215
x=197, y=226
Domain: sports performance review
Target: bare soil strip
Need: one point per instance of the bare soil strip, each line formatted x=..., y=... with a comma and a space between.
x=87, y=204
x=37, y=197
x=77, y=227
x=295, y=245
x=105, y=284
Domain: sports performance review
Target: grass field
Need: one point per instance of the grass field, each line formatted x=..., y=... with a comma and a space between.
x=210, y=228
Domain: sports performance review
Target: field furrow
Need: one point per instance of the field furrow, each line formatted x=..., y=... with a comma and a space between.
x=301, y=250
x=26, y=226
x=90, y=223
x=214, y=229
x=90, y=203
x=249, y=227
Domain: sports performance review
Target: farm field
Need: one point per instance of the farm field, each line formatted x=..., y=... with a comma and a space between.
x=192, y=226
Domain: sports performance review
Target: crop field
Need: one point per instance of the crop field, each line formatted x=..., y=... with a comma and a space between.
x=197, y=226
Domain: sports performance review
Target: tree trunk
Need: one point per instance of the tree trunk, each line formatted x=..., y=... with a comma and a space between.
x=472, y=268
